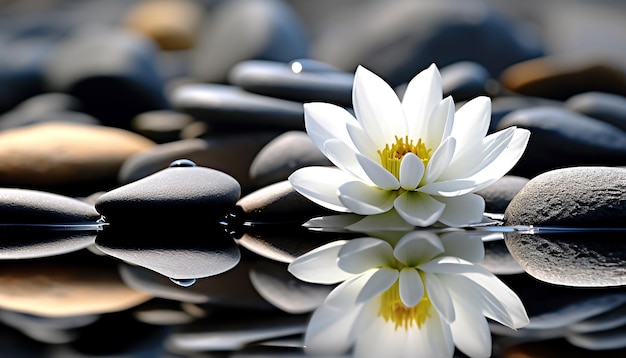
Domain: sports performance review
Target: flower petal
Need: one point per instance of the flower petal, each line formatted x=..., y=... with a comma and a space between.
x=320, y=184
x=462, y=210
x=362, y=254
x=470, y=331
x=418, y=208
x=332, y=222
x=362, y=141
x=345, y=158
x=377, y=284
x=411, y=171
x=440, y=160
x=464, y=244
x=411, y=287
x=471, y=122
x=330, y=329
x=320, y=265
x=363, y=199
x=439, y=296
x=385, y=221
x=417, y=247
x=449, y=188
x=379, y=175
x=324, y=121
x=439, y=125
x=377, y=108
x=422, y=95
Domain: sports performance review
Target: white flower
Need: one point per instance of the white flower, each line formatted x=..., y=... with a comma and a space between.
x=414, y=296
x=416, y=158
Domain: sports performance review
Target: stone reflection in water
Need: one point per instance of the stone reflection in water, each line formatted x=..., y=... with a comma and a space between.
x=181, y=252
x=31, y=243
x=576, y=258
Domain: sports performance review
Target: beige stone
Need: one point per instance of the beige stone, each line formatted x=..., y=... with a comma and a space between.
x=172, y=24
x=61, y=153
x=54, y=289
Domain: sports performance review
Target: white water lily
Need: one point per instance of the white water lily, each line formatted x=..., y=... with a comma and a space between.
x=415, y=158
x=418, y=295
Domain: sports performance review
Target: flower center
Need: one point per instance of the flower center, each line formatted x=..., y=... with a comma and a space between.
x=391, y=155
x=392, y=308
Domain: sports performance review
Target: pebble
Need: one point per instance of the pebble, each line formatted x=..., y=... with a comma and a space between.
x=231, y=289
x=278, y=203
x=561, y=138
x=180, y=252
x=397, y=39
x=26, y=206
x=499, y=194
x=503, y=105
x=172, y=24
x=27, y=244
x=611, y=319
x=232, y=154
x=30, y=156
x=563, y=76
x=599, y=341
x=607, y=107
x=272, y=32
x=59, y=289
x=577, y=259
x=283, y=155
x=112, y=72
x=44, y=107
x=292, y=81
x=161, y=126
x=574, y=197
x=280, y=288
x=465, y=80
x=228, y=108
x=176, y=193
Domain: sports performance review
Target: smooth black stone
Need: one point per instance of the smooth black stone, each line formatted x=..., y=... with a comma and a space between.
x=561, y=138
x=571, y=197
x=228, y=108
x=180, y=251
x=231, y=288
x=607, y=107
x=499, y=194
x=240, y=30
x=283, y=155
x=579, y=259
x=18, y=119
x=231, y=154
x=466, y=80
x=112, y=72
x=178, y=193
x=25, y=206
x=503, y=105
x=276, y=79
x=396, y=39
x=34, y=108
x=21, y=243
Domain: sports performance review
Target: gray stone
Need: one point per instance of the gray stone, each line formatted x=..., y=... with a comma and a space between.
x=499, y=194
x=229, y=108
x=574, y=197
x=561, y=138
x=189, y=193
x=498, y=259
x=579, y=259
x=231, y=154
x=396, y=39
x=20, y=243
x=161, y=126
x=24, y=206
x=278, y=203
x=503, y=105
x=283, y=155
x=242, y=30
x=465, y=80
x=607, y=107
x=293, y=82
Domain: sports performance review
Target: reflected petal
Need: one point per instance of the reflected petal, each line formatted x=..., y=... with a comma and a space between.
x=320, y=265
x=386, y=221
x=439, y=296
x=380, y=282
x=417, y=247
x=418, y=208
x=362, y=254
x=411, y=287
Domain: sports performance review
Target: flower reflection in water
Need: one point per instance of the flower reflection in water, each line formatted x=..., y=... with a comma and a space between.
x=406, y=294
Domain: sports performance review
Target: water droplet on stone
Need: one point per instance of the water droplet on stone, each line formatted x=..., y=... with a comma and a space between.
x=184, y=282
x=296, y=67
x=182, y=163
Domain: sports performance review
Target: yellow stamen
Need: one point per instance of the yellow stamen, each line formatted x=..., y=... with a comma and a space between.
x=392, y=308
x=391, y=155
